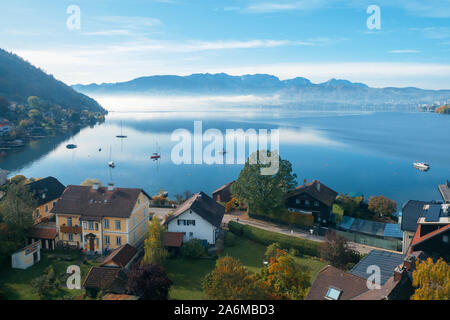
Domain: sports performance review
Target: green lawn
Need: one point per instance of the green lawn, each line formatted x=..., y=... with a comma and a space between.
x=187, y=275
x=15, y=283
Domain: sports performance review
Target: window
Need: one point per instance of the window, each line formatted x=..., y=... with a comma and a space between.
x=84, y=225
x=96, y=242
x=96, y=226
x=117, y=224
x=118, y=241
x=38, y=213
x=191, y=234
x=70, y=237
x=333, y=293
x=134, y=220
x=307, y=203
x=297, y=201
x=139, y=201
x=54, y=203
x=91, y=225
x=107, y=239
x=445, y=238
x=106, y=223
x=46, y=208
x=69, y=222
x=145, y=212
x=134, y=236
x=316, y=203
x=183, y=222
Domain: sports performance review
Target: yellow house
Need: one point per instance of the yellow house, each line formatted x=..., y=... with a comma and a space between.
x=99, y=219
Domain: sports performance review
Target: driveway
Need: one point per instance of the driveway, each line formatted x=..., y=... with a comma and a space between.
x=244, y=219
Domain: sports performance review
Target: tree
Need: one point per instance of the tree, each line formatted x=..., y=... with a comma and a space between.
x=4, y=105
x=335, y=250
x=432, y=280
x=272, y=251
x=90, y=182
x=285, y=278
x=264, y=194
x=382, y=206
x=34, y=102
x=149, y=282
x=154, y=250
x=230, y=280
x=44, y=284
x=17, y=208
x=193, y=249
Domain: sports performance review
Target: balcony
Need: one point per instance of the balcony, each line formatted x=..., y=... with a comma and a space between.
x=73, y=229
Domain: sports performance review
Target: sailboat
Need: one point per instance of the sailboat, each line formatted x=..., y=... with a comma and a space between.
x=111, y=163
x=156, y=155
x=121, y=135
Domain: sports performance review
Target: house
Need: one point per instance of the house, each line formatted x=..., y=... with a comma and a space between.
x=46, y=193
x=223, y=194
x=110, y=275
x=3, y=176
x=46, y=233
x=312, y=198
x=27, y=256
x=395, y=279
x=433, y=231
x=411, y=212
x=444, y=189
x=99, y=219
x=199, y=217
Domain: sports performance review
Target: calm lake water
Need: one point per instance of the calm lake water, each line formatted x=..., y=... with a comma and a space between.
x=365, y=152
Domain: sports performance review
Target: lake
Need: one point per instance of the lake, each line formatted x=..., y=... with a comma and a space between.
x=349, y=151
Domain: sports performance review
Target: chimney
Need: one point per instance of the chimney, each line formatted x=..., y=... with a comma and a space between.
x=304, y=181
x=409, y=263
x=398, y=273
x=318, y=185
x=95, y=186
x=110, y=186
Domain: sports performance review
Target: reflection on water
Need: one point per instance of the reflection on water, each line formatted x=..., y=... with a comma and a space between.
x=363, y=152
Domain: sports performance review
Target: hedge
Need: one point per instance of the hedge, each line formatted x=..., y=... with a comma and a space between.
x=303, y=246
x=302, y=221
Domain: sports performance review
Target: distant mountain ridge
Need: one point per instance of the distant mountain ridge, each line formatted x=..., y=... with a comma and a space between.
x=19, y=80
x=296, y=90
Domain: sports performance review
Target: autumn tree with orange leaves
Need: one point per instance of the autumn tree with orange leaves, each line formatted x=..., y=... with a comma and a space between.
x=432, y=280
x=154, y=250
x=230, y=280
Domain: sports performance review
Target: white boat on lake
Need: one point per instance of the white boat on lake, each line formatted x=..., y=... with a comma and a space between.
x=421, y=165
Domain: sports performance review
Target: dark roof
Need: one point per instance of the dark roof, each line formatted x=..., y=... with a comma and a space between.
x=317, y=190
x=113, y=296
x=204, y=206
x=93, y=204
x=444, y=189
x=411, y=212
x=386, y=260
x=121, y=256
x=225, y=186
x=101, y=278
x=173, y=239
x=350, y=285
x=46, y=190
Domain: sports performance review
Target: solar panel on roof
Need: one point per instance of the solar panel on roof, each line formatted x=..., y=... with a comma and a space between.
x=433, y=213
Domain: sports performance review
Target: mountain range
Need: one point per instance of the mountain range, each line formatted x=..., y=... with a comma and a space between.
x=19, y=80
x=297, y=90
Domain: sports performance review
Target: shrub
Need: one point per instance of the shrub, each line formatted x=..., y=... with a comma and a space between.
x=193, y=249
x=303, y=246
x=230, y=239
x=271, y=251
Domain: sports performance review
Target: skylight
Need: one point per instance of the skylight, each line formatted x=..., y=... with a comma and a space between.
x=333, y=293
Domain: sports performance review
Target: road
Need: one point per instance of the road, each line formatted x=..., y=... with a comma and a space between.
x=244, y=219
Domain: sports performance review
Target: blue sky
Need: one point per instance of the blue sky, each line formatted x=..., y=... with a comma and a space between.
x=317, y=39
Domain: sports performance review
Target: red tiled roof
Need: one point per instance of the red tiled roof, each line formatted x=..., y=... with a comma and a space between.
x=121, y=256
x=173, y=239
x=224, y=186
x=349, y=284
x=42, y=233
x=101, y=277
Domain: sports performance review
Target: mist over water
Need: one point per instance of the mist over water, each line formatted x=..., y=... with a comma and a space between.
x=350, y=151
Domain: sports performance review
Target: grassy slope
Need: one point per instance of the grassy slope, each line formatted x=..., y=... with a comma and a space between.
x=188, y=274
x=15, y=283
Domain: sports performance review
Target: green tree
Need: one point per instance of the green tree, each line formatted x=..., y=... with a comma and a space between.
x=34, y=102
x=272, y=250
x=90, y=182
x=264, y=194
x=17, y=208
x=193, y=249
x=382, y=206
x=230, y=280
x=432, y=280
x=154, y=250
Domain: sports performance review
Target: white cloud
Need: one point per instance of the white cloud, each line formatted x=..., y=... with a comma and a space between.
x=265, y=7
x=404, y=51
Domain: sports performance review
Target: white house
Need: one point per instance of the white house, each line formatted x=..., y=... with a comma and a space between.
x=199, y=217
x=27, y=256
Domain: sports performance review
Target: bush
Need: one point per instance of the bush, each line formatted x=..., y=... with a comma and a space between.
x=230, y=239
x=193, y=249
x=303, y=246
x=271, y=251
x=303, y=221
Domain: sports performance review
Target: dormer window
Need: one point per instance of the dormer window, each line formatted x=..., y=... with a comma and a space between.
x=333, y=293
